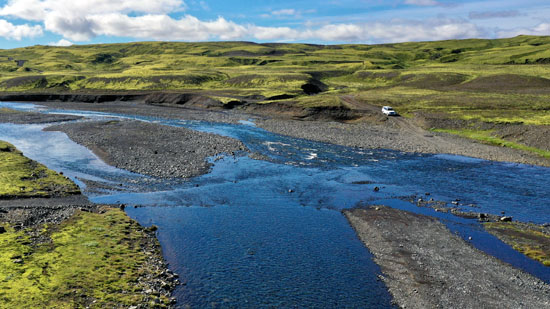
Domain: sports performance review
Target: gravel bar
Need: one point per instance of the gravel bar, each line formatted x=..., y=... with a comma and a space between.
x=426, y=266
x=151, y=149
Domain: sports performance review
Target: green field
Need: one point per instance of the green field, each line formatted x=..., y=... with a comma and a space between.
x=489, y=81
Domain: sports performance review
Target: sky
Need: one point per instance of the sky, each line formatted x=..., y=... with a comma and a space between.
x=67, y=22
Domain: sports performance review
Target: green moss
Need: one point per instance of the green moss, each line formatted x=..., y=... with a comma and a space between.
x=22, y=177
x=92, y=260
x=528, y=239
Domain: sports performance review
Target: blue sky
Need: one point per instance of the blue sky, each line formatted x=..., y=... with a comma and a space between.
x=65, y=22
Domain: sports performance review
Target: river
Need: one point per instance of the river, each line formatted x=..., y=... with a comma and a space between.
x=270, y=233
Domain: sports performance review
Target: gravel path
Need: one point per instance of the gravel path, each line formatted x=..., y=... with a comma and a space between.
x=151, y=149
x=426, y=266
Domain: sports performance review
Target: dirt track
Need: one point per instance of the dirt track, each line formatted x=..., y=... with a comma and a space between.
x=426, y=266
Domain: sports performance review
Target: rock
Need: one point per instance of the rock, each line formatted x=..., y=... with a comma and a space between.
x=153, y=228
x=482, y=216
x=505, y=219
x=454, y=203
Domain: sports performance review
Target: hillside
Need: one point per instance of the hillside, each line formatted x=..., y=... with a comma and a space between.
x=496, y=91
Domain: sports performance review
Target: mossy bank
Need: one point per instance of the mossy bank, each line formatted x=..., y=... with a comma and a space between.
x=59, y=251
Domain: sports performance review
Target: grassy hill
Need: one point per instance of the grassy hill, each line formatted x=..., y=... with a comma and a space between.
x=459, y=86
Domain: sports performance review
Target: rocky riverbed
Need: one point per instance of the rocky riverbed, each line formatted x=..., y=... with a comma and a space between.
x=149, y=148
x=18, y=117
x=425, y=266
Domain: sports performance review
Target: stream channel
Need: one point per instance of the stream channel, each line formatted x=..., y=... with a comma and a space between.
x=270, y=233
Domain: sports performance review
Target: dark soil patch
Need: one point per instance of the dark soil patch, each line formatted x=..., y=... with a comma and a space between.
x=36, y=81
x=378, y=75
x=314, y=87
x=433, y=81
x=507, y=83
x=183, y=99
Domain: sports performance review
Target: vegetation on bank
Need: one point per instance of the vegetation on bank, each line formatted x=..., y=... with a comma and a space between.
x=22, y=177
x=485, y=136
x=493, y=81
x=529, y=239
x=91, y=260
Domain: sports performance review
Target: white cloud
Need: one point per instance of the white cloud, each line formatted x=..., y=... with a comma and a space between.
x=18, y=32
x=284, y=12
x=541, y=29
x=149, y=19
x=422, y=2
x=273, y=33
x=398, y=31
x=163, y=27
x=39, y=9
x=287, y=13
x=61, y=43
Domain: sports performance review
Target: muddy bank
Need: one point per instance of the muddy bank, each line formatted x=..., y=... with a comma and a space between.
x=151, y=149
x=426, y=266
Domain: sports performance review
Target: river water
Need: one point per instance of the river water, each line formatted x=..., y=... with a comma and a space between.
x=265, y=233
